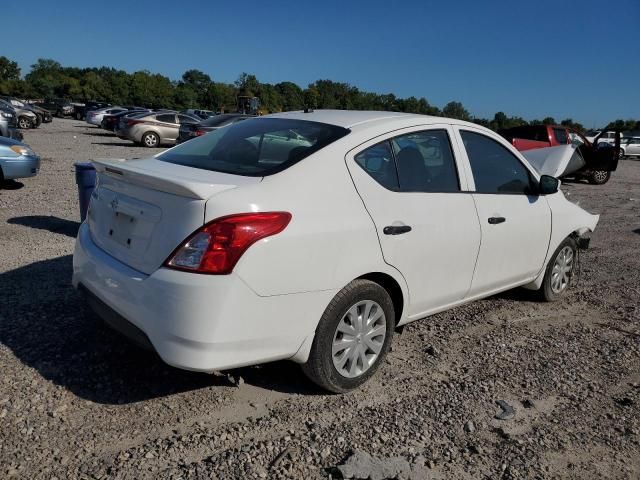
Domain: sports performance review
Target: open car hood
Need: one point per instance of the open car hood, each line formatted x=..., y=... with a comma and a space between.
x=555, y=161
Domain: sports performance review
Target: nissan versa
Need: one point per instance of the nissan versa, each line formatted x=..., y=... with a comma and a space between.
x=312, y=236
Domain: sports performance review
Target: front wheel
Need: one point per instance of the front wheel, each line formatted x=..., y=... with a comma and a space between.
x=150, y=140
x=24, y=123
x=599, y=177
x=559, y=273
x=352, y=338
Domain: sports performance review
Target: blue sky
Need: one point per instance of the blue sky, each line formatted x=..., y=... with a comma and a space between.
x=578, y=59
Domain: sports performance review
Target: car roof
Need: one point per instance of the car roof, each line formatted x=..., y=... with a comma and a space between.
x=360, y=119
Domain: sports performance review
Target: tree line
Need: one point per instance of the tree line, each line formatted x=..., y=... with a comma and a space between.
x=196, y=89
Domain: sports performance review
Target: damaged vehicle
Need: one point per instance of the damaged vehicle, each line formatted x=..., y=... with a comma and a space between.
x=313, y=236
x=600, y=158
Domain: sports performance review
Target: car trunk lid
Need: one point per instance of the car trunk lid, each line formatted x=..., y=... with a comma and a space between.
x=141, y=210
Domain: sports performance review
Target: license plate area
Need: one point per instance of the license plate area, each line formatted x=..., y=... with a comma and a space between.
x=122, y=227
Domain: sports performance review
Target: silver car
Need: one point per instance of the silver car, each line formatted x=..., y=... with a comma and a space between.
x=94, y=117
x=17, y=160
x=26, y=118
x=630, y=147
x=154, y=129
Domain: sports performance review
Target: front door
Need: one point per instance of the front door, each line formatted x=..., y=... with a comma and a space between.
x=515, y=221
x=411, y=186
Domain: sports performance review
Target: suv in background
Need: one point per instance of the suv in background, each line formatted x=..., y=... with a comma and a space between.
x=58, y=107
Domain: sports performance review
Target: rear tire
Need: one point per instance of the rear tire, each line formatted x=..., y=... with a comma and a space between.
x=621, y=153
x=599, y=177
x=352, y=338
x=150, y=140
x=559, y=272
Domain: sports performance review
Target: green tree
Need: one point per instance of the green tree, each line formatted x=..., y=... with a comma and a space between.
x=9, y=70
x=456, y=110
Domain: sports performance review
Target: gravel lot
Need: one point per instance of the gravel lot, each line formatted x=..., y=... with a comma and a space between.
x=77, y=401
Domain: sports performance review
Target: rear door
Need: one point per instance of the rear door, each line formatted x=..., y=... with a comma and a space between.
x=428, y=229
x=515, y=221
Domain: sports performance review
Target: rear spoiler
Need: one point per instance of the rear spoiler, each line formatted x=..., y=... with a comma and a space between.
x=164, y=176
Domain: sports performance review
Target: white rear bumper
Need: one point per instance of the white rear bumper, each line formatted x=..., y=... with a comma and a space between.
x=199, y=322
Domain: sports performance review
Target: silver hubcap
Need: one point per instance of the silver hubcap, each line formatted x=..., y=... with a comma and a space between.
x=600, y=175
x=562, y=268
x=359, y=337
x=150, y=140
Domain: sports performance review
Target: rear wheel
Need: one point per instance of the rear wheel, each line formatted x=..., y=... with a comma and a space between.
x=559, y=273
x=352, y=338
x=599, y=177
x=621, y=153
x=78, y=116
x=150, y=140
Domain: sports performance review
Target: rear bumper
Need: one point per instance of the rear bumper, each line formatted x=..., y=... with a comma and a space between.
x=19, y=167
x=196, y=322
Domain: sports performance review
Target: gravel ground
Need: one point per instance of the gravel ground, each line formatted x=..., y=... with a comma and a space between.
x=77, y=401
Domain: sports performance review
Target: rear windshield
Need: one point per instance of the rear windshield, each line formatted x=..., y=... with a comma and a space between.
x=255, y=147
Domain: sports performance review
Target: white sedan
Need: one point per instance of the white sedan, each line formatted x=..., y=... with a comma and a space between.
x=313, y=236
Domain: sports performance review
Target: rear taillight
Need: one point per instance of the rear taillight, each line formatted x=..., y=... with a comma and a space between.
x=199, y=133
x=216, y=247
x=133, y=122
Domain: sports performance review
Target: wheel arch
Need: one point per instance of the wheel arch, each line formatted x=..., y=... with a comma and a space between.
x=392, y=287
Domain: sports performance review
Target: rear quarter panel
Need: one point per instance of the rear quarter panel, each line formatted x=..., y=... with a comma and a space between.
x=330, y=240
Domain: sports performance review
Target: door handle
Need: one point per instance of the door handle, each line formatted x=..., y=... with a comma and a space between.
x=396, y=229
x=496, y=220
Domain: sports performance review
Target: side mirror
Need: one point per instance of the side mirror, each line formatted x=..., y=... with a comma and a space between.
x=548, y=185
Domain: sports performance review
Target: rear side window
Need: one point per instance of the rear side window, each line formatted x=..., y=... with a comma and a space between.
x=425, y=162
x=256, y=147
x=378, y=162
x=561, y=135
x=185, y=119
x=495, y=169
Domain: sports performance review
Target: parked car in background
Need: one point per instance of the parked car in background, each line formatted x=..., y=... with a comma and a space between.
x=110, y=122
x=25, y=118
x=42, y=115
x=203, y=114
x=192, y=130
x=600, y=158
x=17, y=160
x=608, y=136
x=9, y=123
x=630, y=147
x=229, y=250
x=58, y=107
x=94, y=117
x=80, y=109
x=154, y=129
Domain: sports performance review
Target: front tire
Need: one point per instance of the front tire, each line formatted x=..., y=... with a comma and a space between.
x=599, y=177
x=24, y=123
x=150, y=140
x=352, y=338
x=559, y=272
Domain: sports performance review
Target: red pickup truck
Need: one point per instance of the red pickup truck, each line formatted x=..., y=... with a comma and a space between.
x=600, y=158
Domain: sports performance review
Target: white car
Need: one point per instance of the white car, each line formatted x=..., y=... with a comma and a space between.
x=312, y=236
x=630, y=147
x=94, y=117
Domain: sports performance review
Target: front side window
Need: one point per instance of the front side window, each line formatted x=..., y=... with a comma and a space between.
x=256, y=147
x=425, y=162
x=495, y=169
